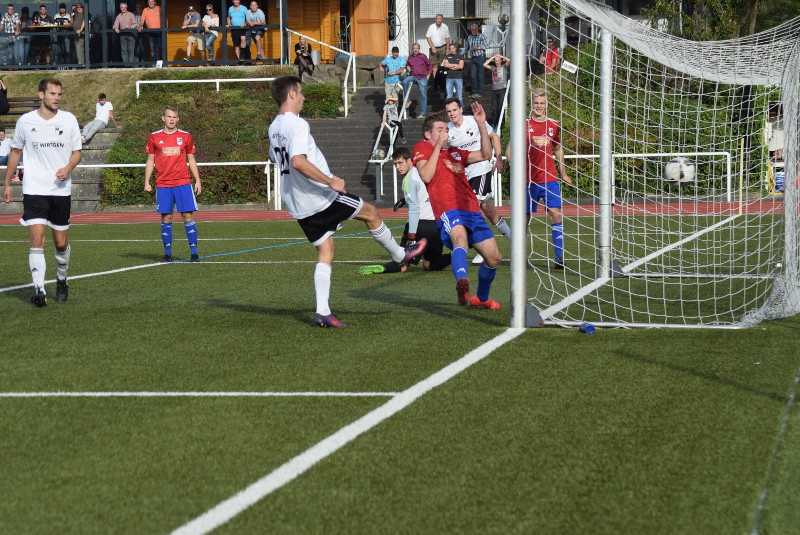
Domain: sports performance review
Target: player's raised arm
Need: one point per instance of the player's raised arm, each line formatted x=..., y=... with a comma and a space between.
x=486, y=143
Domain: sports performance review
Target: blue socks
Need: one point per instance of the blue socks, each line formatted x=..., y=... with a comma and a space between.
x=558, y=239
x=459, y=262
x=166, y=237
x=485, y=279
x=191, y=235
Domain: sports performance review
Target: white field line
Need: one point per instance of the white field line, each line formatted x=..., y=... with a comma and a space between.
x=773, y=462
x=87, y=275
x=588, y=289
x=198, y=394
x=290, y=470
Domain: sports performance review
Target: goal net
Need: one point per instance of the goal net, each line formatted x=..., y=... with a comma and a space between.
x=683, y=206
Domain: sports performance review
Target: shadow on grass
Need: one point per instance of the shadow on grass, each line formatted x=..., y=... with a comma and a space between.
x=782, y=399
x=384, y=291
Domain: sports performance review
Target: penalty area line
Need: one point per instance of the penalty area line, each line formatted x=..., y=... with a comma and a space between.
x=292, y=469
x=198, y=394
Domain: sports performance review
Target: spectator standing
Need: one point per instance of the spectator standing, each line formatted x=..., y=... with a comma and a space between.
x=256, y=20
x=391, y=117
x=499, y=66
x=151, y=19
x=10, y=27
x=476, y=48
x=63, y=50
x=438, y=36
x=124, y=22
x=317, y=198
x=454, y=63
x=210, y=21
x=171, y=153
x=455, y=206
x=50, y=140
x=550, y=57
x=419, y=68
x=392, y=68
x=237, y=21
x=41, y=43
x=138, y=49
x=103, y=111
x=192, y=21
x=302, y=57
x=4, y=106
x=544, y=148
x=23, y=42
x=79, y=25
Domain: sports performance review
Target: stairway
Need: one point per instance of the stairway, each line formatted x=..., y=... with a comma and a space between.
x=347, y=142
x=86, y=182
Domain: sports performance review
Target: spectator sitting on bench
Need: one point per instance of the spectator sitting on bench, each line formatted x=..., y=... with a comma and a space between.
x=104, y=111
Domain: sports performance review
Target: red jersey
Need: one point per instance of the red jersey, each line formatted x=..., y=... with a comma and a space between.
x=541, y=138
x=551, y=60
x=449, y=189
x=170, y=157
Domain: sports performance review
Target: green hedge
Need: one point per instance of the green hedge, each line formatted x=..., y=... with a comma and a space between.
x=228, y=126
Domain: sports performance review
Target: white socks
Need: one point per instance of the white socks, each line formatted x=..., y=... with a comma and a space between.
x=384, y=236
x=62, y=263
x=38, y=265
x=322, y=287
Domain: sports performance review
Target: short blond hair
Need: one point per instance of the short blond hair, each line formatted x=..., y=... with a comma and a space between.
x=539, y=92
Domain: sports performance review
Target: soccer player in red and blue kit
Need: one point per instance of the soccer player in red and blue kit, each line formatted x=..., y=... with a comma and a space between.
x=168, y=151
x=455, y=206
x=544, y=147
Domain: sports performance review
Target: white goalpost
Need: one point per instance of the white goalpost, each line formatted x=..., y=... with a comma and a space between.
x=669, y=222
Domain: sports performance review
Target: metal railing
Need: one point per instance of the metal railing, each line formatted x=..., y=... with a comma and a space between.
x=271, y=171
x=350, y=71
x=216, y=81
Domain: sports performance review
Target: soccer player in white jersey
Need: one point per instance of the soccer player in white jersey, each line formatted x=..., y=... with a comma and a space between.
x=315, y=197
x=463, y=133
x=51, y=141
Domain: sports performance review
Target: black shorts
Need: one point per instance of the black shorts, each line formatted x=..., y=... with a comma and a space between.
x=433, y=251
x=320, y=226
x=51, y=210
x=236, y=36
x=482, y=186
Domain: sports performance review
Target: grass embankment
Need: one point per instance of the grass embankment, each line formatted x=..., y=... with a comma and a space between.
x=228, y=126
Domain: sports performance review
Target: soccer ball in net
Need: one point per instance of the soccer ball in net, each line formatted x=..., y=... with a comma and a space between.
x=679, y=171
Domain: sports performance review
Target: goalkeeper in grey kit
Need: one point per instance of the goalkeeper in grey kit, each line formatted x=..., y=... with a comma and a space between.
x=421, y=223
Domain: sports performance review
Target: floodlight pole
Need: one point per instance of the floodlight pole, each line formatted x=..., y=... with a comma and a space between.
x=519, y=151
x=606, y=148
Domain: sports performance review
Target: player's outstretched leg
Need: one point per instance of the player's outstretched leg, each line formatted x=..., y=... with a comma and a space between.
x=486, y=275
x=459, y=266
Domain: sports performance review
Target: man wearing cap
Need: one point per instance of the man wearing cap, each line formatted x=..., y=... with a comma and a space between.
x=63, y=49
x=393, y=67
x=192, y=20
x=79, y=25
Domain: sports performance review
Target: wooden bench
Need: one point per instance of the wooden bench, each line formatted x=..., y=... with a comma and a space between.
x=20, y=105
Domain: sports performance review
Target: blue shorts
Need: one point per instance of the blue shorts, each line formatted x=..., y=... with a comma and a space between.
x=473, y=222
x=180, y=196
x=551, y=191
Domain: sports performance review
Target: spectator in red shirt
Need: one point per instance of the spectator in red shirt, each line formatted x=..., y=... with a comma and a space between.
x=550, y=57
